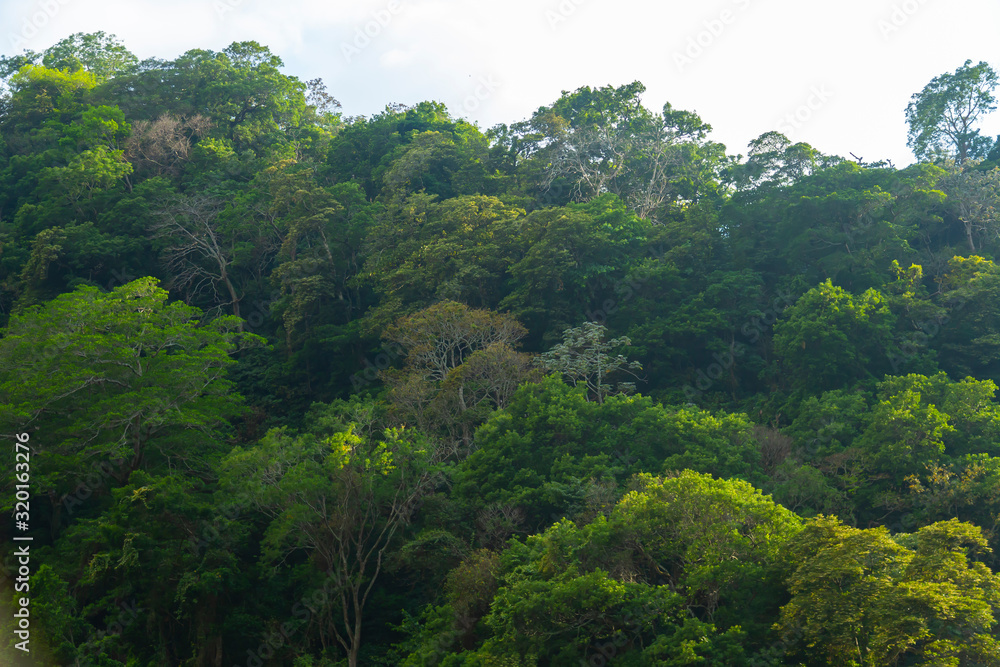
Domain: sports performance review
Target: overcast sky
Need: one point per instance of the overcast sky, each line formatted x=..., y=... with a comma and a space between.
x=837, y=75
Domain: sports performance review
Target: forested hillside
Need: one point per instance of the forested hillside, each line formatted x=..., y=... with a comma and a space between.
x=590, y=388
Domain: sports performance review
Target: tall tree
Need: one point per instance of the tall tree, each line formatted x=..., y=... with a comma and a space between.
x=213, y=250
x=866, y=598
x=122, y=379
x=830, y=338
x=943, y=116
x=595, y=141
x=460, y=366
x=583, y=357
x=344, y=499
x=974, y=196
x=101, y=54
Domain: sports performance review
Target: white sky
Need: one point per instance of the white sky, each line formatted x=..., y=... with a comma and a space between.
x=856, y=61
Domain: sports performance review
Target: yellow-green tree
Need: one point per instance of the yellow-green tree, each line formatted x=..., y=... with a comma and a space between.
x=867, y=598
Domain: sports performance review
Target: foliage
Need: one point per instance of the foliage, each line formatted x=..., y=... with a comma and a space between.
x=330, y=439
x=865, y=597
x=124, y=378
x=583, y=358
x=942, y=116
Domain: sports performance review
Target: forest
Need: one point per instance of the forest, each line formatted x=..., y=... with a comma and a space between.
x=282, y=386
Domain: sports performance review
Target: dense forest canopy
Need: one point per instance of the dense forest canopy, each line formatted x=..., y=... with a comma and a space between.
x=588, y=388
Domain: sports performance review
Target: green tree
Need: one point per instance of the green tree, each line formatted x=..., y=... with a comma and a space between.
x=970, y=337
x=942, y=117
x=773, y=161
x=642, y=584
x=583, y=358
x=568, y=260
x=974, y=197
x=831, y=338
x=603, y=140
x=459, y=250
x=344, y=498
x=101, y=54
x=460, y=365
x=715, y=541
x=864, y=597
x=553, y=453
x=121, y=379
x=163, y=554
x=905, y=430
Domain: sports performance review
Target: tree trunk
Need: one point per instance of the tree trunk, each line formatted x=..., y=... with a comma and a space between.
x=232, y=295
x=352, y=656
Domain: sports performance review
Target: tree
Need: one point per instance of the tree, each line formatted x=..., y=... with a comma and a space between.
x=711, y=539
x=642, y=583
x=440, y=338
x=248, y=96
x=162, y=146
x=341, y=497
x=905, y=430
x=969, y=344
x=942, y=117
x=595, y=141
x=974, y=196
x=831, y=337
x=101, y=54
x=455, y=153
x=583, y=357
x=321, y=231
x=86, y=175
x=867, y=598
x=566, y=258
x=917, y=420
x=212, y=249
x=197, y=255
x=552, y=452
x=423, y=251
x=162, y=558
x=123, y=379
x=241, y=89
x=551, y=609
x=774, y=161
x=440, y=163
x=460, y=366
